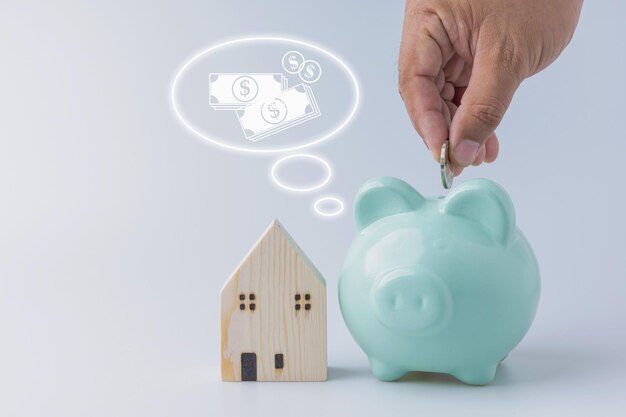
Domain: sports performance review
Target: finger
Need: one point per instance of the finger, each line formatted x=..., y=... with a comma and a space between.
x=480, y=157
x=424, y=105
x=447, y=92
x=484, y=103
x=447, y=116
x=449, y=111
x=452, y=110
x=440, y=81
x=424, y=51
x=455, y=69
x=458, y=95
x=492, y=147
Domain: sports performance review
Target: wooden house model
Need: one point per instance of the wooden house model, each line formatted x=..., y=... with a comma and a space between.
x=273, y=314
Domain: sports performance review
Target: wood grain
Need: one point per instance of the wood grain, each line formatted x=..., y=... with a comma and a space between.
x=275, y=270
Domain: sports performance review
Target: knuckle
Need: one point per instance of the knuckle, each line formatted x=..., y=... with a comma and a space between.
x=425, y=15
x=489, y=112
x=430, y=18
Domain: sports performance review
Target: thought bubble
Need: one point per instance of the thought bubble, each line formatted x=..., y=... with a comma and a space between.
x=328, y=206
x=268, y=95
x=276, y=178
x=336, y=92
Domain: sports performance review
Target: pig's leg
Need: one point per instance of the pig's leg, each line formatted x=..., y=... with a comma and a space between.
x=386, y=372
x=476, y=375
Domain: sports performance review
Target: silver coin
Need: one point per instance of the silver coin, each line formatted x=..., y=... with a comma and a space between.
x=447, y=173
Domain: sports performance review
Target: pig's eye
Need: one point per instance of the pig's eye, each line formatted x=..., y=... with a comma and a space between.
x=440, y=243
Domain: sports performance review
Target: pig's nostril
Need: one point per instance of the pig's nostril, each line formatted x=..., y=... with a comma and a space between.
x=399, y=302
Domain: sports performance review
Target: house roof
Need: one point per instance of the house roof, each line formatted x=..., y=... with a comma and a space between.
x=277, y=227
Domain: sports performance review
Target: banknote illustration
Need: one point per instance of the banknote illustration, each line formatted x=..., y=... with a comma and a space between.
x=290, y=108
x=231, y=91
x=262, y=102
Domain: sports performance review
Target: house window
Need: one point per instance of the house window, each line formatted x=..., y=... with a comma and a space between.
x=298, y=297
x=251, y=301
x=279, y=361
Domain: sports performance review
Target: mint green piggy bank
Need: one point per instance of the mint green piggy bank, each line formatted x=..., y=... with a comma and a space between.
x=437, y=284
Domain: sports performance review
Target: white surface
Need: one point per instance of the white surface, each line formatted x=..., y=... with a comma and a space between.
x=118, y=228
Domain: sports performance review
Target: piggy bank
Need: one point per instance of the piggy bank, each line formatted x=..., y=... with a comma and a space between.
x=440, y=284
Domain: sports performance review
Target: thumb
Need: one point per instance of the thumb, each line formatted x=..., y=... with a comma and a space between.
x=486, y=99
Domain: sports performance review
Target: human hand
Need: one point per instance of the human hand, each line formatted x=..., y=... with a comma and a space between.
x=461, y=61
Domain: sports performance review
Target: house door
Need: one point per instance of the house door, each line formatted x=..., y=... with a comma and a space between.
x=248, y=366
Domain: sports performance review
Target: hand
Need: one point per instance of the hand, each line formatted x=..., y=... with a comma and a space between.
x=461, y=61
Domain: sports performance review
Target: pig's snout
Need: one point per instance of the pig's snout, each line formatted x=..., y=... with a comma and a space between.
x=411, y=299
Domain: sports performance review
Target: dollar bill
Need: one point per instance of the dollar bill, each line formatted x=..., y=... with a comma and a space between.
x=229, y=91
x=290, y=108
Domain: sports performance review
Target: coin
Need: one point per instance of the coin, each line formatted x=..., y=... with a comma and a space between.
x=310, y=71
x=447, y=174
x=292, y=61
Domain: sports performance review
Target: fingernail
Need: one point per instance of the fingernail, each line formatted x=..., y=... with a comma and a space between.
x=465, y=152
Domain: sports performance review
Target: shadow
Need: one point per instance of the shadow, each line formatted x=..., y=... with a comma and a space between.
x=336, y=373
x=430, y=378
x=532, y=366
x=521, y=367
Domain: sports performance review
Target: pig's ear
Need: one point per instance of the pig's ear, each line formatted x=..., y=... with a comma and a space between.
x=381, y=197
x=485, y=203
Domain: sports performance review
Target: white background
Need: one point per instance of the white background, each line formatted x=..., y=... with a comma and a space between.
x=118, y=227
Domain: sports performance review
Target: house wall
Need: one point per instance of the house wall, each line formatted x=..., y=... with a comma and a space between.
x=275, y=272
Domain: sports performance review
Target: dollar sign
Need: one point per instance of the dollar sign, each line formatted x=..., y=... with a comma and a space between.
x=310, y=71
x=293, y=62
x=245, y=89
x=273, y=110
